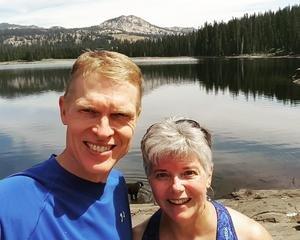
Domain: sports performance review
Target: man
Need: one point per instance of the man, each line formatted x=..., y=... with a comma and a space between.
x=77, y=195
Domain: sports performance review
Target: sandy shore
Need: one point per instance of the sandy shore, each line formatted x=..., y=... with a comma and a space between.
x=277, y=210
x=69, y=62
x=138, y=60
x=165, y=60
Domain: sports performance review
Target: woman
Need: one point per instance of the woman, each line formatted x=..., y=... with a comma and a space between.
x=178, y=163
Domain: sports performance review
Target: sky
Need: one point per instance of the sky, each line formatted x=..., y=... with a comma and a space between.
x=163, y=13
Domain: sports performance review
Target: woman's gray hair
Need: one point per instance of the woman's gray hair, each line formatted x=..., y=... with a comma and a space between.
x=177, y=136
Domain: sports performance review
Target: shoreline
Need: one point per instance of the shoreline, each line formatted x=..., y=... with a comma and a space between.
x=138, y=60
x=277, y=210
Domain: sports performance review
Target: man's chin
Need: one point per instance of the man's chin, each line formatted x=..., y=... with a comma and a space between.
x=104, y=167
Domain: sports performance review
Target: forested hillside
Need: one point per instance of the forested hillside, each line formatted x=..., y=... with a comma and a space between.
x=276, y=33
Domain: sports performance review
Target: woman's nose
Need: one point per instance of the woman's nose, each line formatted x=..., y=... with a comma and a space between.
x=177, y=184
x=103, y=128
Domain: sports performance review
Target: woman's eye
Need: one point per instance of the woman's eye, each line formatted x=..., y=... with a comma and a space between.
x=190, y=173
x=161, y=176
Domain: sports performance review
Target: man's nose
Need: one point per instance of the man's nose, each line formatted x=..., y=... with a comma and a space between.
x=103, y=127
x=178, y=184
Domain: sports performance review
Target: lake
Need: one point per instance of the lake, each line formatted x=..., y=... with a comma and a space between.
x=251, y=107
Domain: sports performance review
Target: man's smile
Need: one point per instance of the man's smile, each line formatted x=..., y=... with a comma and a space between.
x=99, y=148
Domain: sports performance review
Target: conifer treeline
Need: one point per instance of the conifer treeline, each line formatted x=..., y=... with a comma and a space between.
x=277, y=33
x=271, y=32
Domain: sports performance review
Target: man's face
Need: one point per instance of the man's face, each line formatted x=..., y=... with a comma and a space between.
x=100, y=117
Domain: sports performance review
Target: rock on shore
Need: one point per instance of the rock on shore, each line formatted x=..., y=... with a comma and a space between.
x=277, y=210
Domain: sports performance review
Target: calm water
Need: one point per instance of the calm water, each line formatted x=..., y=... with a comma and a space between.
x=250, y=106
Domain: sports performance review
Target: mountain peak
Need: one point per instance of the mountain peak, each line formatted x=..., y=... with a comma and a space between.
x=126, y=19
x=129, y=28
x=134, y=25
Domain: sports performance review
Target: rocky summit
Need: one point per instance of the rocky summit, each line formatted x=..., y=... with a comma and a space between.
x=130, y=28
x=134, y=25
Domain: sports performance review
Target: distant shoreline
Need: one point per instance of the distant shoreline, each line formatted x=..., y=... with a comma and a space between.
x=137, y=60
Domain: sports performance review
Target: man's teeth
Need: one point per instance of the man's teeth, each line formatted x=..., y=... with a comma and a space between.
x=179, y=201
x=98, y=148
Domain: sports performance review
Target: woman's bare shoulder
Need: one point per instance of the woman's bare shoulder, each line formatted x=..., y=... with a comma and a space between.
x=139, y=229
x=247, y=228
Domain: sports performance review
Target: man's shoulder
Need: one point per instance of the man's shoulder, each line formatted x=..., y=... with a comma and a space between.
x=21, y=185
x=19, y=196
x=19, y=189
x=15, y=183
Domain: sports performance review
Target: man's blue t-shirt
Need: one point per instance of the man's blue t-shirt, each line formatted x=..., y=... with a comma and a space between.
x=48, y=202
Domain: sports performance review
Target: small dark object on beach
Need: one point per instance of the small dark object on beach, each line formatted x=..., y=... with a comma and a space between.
x=133, y=189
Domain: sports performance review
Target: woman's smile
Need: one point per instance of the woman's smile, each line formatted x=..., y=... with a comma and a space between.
x=180, y=201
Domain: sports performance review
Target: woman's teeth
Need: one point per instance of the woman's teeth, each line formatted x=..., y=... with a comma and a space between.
x=179, y=201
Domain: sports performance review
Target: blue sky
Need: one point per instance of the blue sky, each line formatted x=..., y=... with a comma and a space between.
x=164, y=13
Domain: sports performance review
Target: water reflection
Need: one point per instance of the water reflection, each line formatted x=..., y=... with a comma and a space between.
x=251, y=106
x=270, y=78
x=23, y=82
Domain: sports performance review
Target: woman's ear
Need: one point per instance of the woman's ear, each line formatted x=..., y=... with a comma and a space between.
x=209, y=177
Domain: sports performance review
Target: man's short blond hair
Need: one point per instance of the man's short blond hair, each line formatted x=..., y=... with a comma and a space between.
x=111, y=65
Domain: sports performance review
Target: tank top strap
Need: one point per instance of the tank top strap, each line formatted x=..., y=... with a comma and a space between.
x=225, y=228
x=152, y=230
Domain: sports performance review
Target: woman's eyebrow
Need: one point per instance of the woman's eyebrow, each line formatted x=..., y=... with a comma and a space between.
x=160, y=170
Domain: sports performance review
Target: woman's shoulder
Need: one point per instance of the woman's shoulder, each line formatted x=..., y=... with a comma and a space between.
x=247, y=228
x=139, y=230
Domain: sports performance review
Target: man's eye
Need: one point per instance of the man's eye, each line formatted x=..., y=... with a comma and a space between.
x=120, y=116
x=88, y=110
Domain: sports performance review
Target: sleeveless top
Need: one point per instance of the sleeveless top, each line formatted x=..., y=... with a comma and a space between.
x=225, y=228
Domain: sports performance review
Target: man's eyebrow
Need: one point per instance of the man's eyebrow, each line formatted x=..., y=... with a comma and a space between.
x=81, y=100
x=124, y=110
x=84, y=104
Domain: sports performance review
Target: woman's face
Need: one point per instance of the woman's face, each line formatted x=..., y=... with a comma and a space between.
x=179, y=186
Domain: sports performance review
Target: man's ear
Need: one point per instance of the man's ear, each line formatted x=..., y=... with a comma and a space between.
x=62, y=108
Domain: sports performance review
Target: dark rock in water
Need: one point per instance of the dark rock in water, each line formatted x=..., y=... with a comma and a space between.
x=297, y=81
x=296, y=76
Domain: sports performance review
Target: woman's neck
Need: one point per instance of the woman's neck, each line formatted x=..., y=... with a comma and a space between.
x=202, y=226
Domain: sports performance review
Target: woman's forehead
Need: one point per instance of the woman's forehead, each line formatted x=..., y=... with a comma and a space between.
x=182, y=159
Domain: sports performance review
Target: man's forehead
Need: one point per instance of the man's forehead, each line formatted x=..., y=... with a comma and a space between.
x=97, y=79
x=117, y=98
x=102, y=97
x=95, y=84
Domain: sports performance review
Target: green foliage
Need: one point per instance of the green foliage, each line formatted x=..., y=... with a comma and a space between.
x=277, y=33
x=269, y=33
